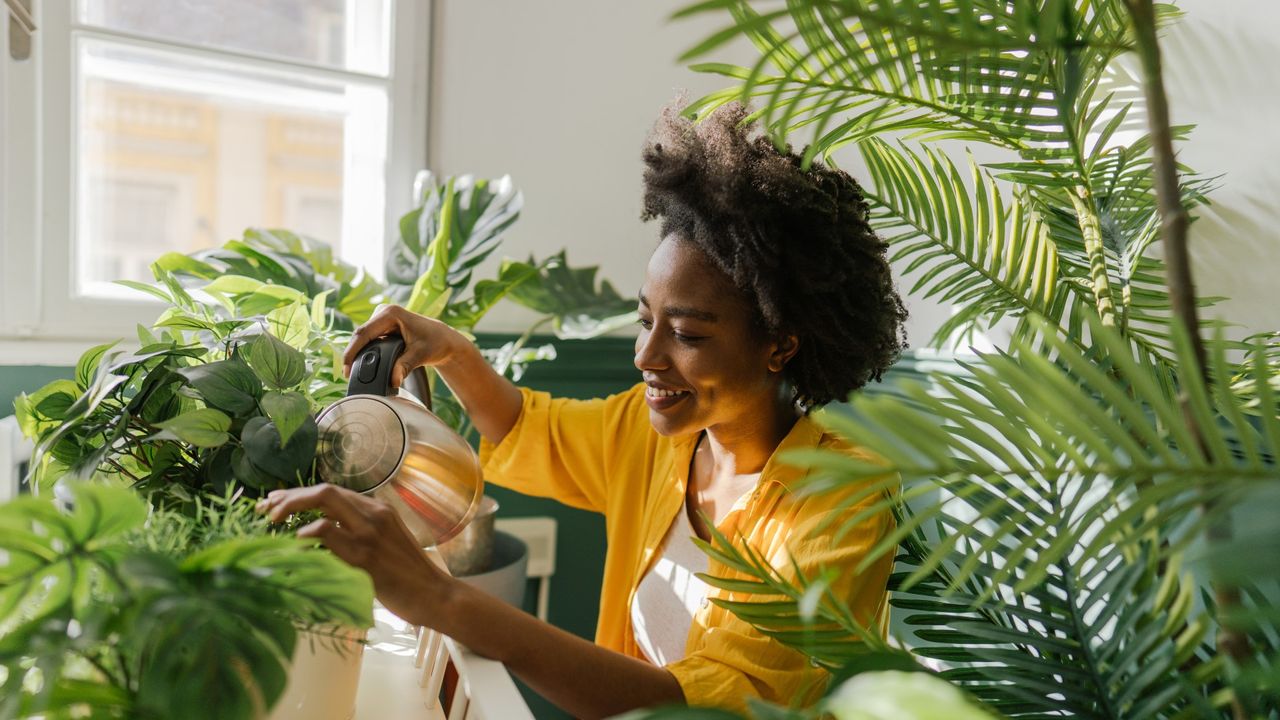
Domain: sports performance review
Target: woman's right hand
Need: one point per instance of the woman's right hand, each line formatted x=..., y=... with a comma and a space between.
x=427, y=341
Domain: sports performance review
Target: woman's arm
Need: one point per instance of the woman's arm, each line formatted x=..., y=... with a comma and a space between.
x=490, y=400
x=582, y=678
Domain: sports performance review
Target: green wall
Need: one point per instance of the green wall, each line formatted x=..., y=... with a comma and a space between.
x=15, y=380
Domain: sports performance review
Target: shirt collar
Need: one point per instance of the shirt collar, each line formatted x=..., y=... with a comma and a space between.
x=806, y=433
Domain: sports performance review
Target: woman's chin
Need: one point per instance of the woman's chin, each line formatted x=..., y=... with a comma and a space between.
x=668, y=426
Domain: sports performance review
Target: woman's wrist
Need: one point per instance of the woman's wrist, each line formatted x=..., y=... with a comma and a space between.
x=460, y=354
x=440, y=603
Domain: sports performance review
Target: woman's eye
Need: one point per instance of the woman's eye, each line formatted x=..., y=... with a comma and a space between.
x=682, y=337
x=646, y=324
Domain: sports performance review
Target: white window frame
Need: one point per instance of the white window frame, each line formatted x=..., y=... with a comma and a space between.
x=42, y=321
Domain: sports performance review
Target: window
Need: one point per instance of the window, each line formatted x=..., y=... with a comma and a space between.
x=135, y=128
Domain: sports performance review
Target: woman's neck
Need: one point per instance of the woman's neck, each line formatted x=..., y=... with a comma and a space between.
x=744, y=448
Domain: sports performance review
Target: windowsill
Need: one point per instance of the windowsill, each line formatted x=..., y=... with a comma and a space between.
x=16, y=351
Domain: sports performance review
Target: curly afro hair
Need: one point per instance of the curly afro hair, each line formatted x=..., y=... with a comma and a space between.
x=796, y=241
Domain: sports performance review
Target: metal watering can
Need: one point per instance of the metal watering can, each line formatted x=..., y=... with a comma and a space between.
x=391, y=446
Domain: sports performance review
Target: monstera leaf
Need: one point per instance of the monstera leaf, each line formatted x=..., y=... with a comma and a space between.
x=454, y=228
x=569, y=296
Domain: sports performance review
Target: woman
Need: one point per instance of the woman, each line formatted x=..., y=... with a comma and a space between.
x=767, y=296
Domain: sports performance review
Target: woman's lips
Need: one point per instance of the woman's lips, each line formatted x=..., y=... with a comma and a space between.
x=661, y=400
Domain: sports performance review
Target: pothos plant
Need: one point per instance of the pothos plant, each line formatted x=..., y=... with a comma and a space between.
x=191, y=610
x=223, y=390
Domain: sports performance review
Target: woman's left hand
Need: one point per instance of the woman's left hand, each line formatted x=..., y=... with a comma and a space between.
x=368, y=534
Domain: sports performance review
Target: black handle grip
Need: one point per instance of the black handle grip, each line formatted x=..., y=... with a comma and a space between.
x=371, y=372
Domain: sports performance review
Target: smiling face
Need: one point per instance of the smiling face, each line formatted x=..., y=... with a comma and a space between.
x=699, y=351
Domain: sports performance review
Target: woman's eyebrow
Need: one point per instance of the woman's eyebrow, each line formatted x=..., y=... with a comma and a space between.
x=681, y=311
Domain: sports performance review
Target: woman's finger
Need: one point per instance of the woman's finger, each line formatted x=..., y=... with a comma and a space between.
x=337, y=503
x=337, y=539
x=411, y=358
x=383, y=322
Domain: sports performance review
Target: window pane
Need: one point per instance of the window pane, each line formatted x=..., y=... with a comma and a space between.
x=177, y=154
x=344, y=34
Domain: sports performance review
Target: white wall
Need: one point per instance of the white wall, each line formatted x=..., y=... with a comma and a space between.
x=1222, y=73
x=561, y=94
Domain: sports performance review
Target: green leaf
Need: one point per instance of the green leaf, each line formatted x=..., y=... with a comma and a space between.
x=292, y=324
x=43, y=547
x=229, y=385
x=89, y=361
x=46, y=408
x=236, y=285
x=206, y=428
x=280, y=366
x=320, y=587
x=317, y=309
x=569, y=295
x=147, y=288
x=177, y=263
x=479, y=213
x=288, y=410
x=207, y=635
x=431, y=291
x=289, y=462
x=487, y=293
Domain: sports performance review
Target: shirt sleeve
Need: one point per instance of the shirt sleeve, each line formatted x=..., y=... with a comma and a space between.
x=732, y=660
x=559, y=448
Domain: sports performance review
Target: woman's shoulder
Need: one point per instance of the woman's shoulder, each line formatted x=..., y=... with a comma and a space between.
x=812, y=471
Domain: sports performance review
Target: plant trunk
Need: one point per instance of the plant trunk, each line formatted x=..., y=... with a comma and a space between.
x=1173, y=230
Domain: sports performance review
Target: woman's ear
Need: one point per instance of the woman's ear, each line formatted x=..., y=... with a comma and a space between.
x=783, y=350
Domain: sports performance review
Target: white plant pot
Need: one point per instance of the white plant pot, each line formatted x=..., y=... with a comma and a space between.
x=323, y=677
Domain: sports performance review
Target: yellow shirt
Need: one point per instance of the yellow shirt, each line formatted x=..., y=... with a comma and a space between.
x=603, y=455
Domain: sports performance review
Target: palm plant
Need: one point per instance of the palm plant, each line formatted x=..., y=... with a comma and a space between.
x=1055, y=494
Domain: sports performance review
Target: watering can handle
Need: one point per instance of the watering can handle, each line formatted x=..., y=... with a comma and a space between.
x=371, y=372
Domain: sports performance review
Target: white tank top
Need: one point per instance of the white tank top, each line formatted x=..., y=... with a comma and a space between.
x=669, y=595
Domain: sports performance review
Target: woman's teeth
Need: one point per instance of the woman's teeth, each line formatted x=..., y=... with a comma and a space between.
x=656, y=393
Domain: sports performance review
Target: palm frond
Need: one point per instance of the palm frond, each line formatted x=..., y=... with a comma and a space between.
x=1020, y=425
x=1052, y=503
x=1098, y=637
x=1006, y=73
x=799, y=611
x=988, y=256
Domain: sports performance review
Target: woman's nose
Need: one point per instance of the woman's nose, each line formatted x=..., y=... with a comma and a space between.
x=649, y=353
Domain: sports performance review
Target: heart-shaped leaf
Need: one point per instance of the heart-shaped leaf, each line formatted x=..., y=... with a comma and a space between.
x=228, y=385
x=280, y=365
x=288, y=410
x=290, y=461
x=291, y=323
x=206, y=428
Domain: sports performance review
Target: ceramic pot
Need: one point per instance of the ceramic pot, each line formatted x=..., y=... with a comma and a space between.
x=323, y=677
x=508, y=577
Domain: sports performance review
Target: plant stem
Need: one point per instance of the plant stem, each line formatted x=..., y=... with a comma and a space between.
x=521, y=342
x=101, y=667
x=1091, y=231
x=1173, y=230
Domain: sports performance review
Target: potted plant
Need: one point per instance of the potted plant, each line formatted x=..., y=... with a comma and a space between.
x=110, y=610
x=1056, y=493
x=214, y=408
